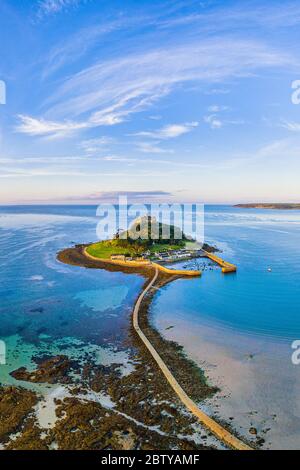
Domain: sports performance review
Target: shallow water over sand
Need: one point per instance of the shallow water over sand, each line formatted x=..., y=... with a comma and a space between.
x=51, y=308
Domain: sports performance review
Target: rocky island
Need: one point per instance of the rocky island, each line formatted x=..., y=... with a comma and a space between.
x=144, y=248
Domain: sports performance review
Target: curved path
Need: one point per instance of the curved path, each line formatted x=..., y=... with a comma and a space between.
x=219, y=431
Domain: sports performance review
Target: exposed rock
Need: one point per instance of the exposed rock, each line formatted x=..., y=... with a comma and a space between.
x=15, y=406
x=253, y=431
x=53, y=370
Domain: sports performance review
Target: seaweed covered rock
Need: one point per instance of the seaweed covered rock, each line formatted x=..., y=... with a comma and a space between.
x=51, y=370
x=15, y=406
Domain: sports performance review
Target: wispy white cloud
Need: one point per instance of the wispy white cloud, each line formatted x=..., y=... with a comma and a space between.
x=289, y=148
x=132, y=195
x=59, y=166
x=171, y=163
x=213, y=121
x=41, y=127
x=155, y=117
x=291, y=126
x=92, y=146
x=97, y=96
x=50, y=7
x=264, y=15
x=218, y=91
x=170, y=131
x=106, y=197
x=15, y=172
x=149, y=147
x=77, y=45
x=215, y=108
x=270, y=152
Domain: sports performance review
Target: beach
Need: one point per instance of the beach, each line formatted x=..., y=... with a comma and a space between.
x=257, y=380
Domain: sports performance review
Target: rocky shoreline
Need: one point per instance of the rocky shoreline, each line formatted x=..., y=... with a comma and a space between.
x=103, y=408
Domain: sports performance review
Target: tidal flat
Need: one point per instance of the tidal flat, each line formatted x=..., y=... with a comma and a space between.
x=80, y=403
x=50, y=309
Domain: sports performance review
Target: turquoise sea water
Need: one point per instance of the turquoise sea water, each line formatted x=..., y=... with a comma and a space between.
x=48, y=307
x=45, y=304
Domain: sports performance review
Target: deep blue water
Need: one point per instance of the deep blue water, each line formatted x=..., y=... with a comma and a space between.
x=253, y=300
x=45, y=303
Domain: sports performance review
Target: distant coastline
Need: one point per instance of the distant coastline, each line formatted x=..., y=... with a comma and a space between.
x=281, y=206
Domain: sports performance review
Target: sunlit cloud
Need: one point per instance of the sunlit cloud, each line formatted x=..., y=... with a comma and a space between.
x=98, y=93
x=41, y=127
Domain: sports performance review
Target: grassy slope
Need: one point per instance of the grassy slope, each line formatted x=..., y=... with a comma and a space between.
x=164, y=247
x=106, y=249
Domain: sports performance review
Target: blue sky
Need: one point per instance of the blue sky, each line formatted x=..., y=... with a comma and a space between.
x=185, y=101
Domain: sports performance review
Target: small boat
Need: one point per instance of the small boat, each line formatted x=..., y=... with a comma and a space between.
x=269, y=270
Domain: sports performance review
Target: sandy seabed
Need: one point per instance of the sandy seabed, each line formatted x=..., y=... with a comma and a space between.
x=259, y=383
